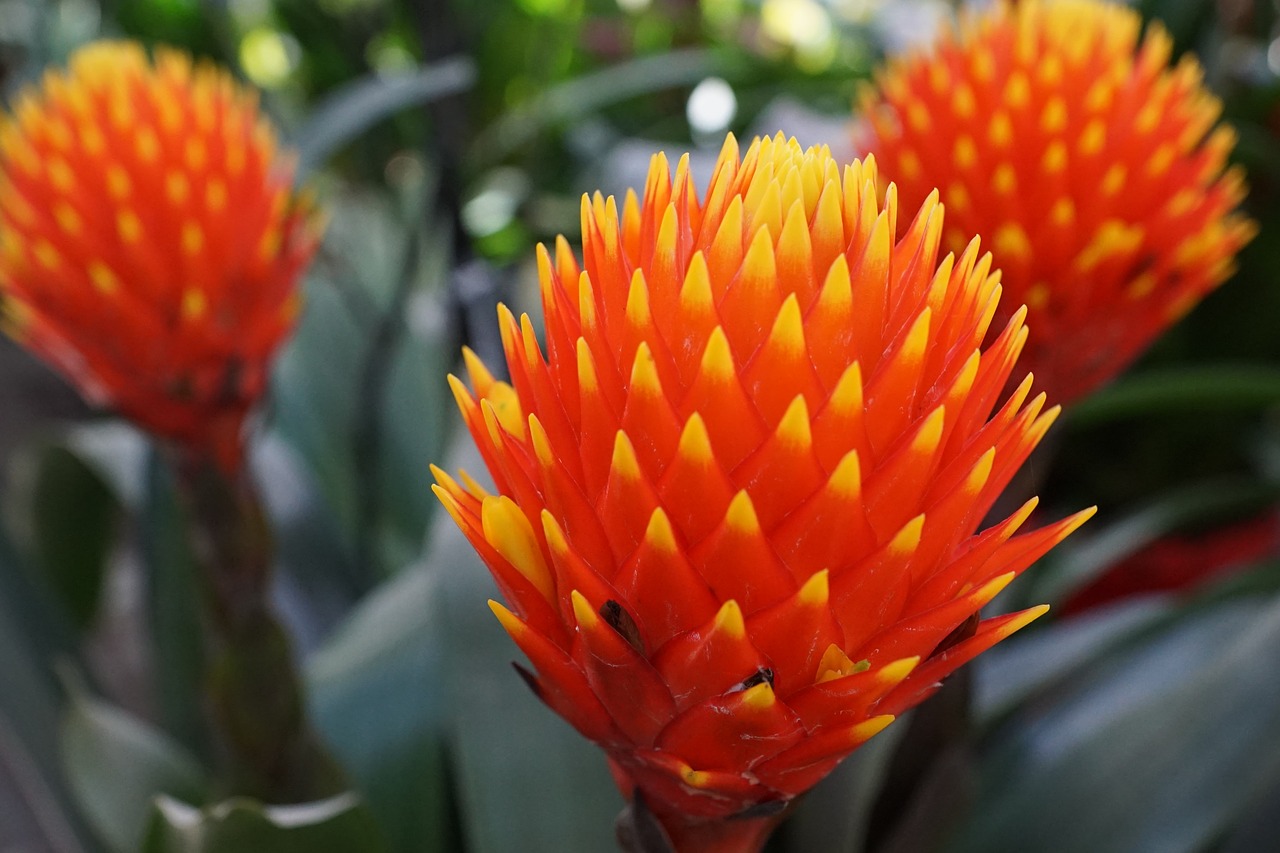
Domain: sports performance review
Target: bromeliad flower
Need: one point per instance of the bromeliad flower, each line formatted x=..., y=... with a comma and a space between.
x=737, y=501
x=1094, y=169
x=150, y=242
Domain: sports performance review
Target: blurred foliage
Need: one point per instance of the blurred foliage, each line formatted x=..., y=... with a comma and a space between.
x=446, y=138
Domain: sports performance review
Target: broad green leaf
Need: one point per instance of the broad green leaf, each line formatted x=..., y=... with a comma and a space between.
x=74, y=515
x=1026, y=664
x=116, y=764
x=337, y=825
x=527, y=780
x=1183, y=389
x=360, y=104
x=376, y=695
x=1160, y=748
x=37, y=808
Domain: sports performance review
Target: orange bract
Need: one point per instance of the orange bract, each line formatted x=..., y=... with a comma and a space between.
x=150, y=244
x=1094, y=169
x=738, y=498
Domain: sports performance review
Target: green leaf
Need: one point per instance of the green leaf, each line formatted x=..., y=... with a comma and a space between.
x=74, y=515
x=116, y=764
x=39, y=812
x=336, y=825
x=1160, y=750
x=362, y=103
x=527, y=780
x=376, y=695
x=1176, y=390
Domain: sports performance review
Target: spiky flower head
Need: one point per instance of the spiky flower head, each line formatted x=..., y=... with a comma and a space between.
x=1061, y=134
x=150, y=239
x=737, y=500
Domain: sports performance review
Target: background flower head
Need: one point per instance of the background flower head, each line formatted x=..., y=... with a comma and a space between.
x=150, y=239
x=1060, y=133
x=737, y=499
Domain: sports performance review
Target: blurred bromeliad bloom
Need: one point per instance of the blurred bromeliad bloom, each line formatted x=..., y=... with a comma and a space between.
x=738, y=499
x=151, y=240
x=1058, y=131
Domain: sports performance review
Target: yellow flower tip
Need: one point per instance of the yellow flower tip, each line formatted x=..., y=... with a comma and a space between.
x=638, y=301
x=509, y=621
x=450, y=505
x=644, y=373
x=469, y=483
x=444, y=479
x=741, y=515
x=896, y=671
x=989, y=590
x=503, y=401
x=717, y=358
x=846, y=398
x=1020, y=621
x=624, y=465
x=695, y=442
x=659, y=535
x=793, y=430
x=460, y=393
x=695, y=778
x=587, y=382
x=760, y=697
x=480, y=376
x=816, y=590
x=583, y=612
x=505, y=528
x=846, y=479
x=729, y=621
x=980, y=472
x=930, y=434
x=541, y=444
x=906, y=540
x=695, y=294
x=864, y=731
x=554, y=534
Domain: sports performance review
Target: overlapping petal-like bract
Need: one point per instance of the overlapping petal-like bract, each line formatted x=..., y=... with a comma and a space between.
x=737, y=501
x=1063, y=137
x=150, y=240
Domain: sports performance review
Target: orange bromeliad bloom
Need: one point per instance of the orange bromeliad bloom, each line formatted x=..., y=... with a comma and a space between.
x=1092, y=167
x=150, y=242
x=737, y=502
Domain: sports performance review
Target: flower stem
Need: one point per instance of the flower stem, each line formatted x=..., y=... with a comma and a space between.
x=253, y=691
x=640, y=830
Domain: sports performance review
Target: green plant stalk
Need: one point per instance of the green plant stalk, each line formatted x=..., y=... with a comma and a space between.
x=253, y=692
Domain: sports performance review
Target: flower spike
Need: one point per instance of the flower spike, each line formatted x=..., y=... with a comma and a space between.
x=760, y=531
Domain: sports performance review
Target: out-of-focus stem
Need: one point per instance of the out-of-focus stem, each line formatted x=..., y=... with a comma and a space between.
x=253, y=690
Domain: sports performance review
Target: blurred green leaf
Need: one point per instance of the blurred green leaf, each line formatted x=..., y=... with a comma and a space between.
x=590, y=92
x=74, y=515
x=1181, y=389
x=35, y=804
x=116, y=764
x=376, y=695
x=337, y=825
x=362, y=103
x=1160, y=749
